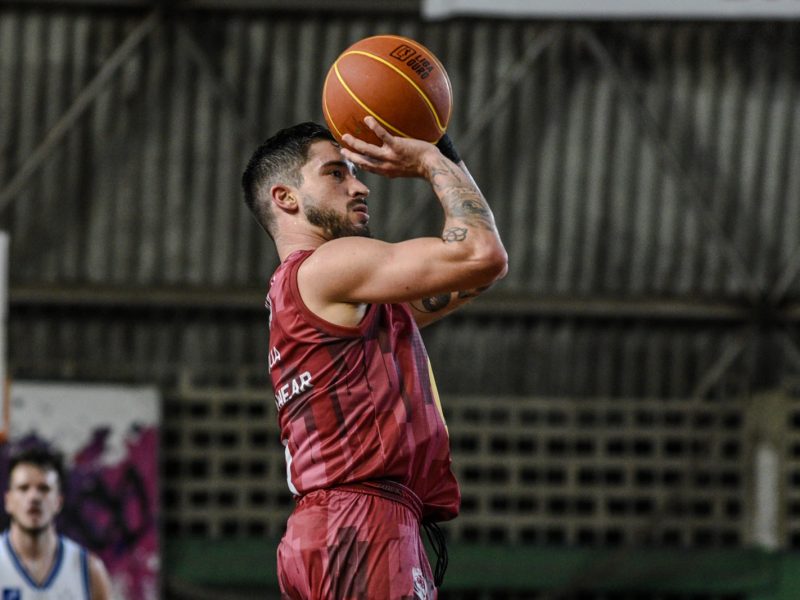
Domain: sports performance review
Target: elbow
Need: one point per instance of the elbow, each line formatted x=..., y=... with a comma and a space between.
x=493, y=265
x=500, y=263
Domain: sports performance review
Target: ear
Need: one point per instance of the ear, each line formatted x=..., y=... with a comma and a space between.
x=284, y=197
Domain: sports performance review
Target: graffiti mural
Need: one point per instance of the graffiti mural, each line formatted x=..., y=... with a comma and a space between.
x=109, y=438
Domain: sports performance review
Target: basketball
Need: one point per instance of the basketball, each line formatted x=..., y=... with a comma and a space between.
x=394, y=79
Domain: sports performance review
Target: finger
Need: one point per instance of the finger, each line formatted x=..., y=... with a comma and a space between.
x=362, y=161
x=360, y=145
x=377, y=129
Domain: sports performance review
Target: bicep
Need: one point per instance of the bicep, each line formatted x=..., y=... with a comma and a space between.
x=370, y=271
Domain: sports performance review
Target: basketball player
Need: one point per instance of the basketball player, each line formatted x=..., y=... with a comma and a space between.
x=35, y=562
x=367, y=452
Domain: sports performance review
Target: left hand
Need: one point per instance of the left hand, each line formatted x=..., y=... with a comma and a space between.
x=397, y=157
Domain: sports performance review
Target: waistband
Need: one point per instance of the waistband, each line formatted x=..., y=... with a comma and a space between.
x=388, y=489
x=397, y=492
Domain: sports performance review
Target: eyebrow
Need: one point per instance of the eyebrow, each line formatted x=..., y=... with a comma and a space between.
x=340, y=163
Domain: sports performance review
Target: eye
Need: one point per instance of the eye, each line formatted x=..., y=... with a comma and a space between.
x=338, y=174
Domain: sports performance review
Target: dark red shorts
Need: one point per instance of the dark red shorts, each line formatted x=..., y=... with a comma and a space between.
x=355, y=542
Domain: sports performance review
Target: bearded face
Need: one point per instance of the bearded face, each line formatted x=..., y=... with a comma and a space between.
x=334, y=224
x=33, y=499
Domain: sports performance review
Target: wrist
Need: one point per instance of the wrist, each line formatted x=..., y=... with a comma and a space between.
x=430, y=162
x=448, y=149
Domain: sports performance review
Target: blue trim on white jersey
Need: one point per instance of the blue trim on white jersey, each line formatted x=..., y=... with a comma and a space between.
x=85, y=572
x=24, y=572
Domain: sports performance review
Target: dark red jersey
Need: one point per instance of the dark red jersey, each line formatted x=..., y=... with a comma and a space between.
x=356, y=403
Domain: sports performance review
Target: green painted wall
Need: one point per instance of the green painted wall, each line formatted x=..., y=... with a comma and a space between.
x=760, y=575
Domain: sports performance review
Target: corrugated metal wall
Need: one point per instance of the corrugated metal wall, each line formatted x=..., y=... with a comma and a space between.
x=624, y=161
x=643, y=175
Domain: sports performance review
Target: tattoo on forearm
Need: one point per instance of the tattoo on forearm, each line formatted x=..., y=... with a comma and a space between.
x=454, y=234
x=464, y=294
x=435, y=303
x=470, y=207
x=442, y=301
x=461, y=201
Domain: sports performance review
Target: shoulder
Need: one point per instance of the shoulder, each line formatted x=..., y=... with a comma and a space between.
x=99, y=579
x=342, y=250
x=344, y=261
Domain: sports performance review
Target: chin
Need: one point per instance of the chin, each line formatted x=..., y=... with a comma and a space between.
x=351, y=232
x=35, y=530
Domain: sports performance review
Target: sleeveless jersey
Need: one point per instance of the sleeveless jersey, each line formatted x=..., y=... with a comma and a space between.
x=356, y=403
x=68, y=579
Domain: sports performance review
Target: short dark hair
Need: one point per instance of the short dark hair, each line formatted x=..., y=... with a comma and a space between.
x=280, y=158
x=44, y=458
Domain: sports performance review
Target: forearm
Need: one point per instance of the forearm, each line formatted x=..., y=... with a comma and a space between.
x=442, y=302
x=430, y=309
x=469, y=221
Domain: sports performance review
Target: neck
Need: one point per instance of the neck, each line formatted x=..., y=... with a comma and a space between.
x=287, y=244
x=33, y=544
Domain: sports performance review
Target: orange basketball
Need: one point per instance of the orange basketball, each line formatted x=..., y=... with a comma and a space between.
x=396, y=80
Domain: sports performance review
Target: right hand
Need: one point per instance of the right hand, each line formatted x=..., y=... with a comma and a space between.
x=397, y=157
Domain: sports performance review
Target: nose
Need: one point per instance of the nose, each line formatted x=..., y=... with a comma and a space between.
x=359, y=189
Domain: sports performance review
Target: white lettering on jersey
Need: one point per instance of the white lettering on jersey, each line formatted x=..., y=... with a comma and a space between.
x=420, y=585
x=268, y=304
x=289, y=468
x=289, y=390
x=274, y=357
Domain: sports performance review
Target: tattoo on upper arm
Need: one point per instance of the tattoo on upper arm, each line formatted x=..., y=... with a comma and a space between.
x=454, y=234
x=434, y=303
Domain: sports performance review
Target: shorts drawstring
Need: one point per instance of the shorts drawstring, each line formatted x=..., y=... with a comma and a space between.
x=439, y=546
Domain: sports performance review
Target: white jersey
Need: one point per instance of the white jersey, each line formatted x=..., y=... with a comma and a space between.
x=68, y=579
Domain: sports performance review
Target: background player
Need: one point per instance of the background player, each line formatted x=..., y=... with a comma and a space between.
x=35, y=561
x=367, y=451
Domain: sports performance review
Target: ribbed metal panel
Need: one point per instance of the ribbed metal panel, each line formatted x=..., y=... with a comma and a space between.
x=673, y=179
x=482, y=356
x=623, y=160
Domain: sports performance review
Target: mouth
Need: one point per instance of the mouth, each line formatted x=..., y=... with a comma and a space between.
x=361, y=209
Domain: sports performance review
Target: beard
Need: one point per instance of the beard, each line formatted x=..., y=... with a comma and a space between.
x=334, y=224
x=31, y=530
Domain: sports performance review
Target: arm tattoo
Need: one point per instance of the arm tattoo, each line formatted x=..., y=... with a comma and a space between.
x=434, y=303
x=461, y=201
x=469, y=206
x=464, y=294
x=442, y=301
x=454, y=234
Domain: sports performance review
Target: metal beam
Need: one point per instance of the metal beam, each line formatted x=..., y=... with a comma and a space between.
x=227, y=97
x=726, y=360
x=88, y=95
x=685, y=178
x=786, y=278
x=508, y=81
x=351, y=6
x=493, y=304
